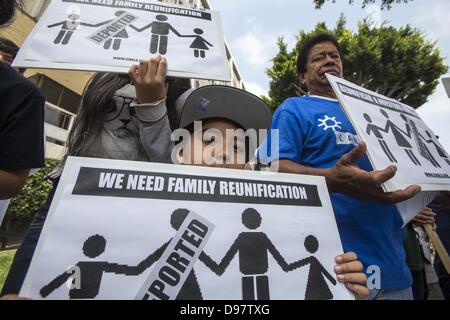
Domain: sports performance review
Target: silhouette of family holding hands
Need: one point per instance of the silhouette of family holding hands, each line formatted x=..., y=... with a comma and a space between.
x=160, y=30
x=252, y=247
x=401, y=135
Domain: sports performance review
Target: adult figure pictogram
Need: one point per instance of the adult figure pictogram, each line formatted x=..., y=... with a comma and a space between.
x=160, y=30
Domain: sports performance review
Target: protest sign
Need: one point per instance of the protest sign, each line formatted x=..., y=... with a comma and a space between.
x=131, y=230
x=112, y=35
x=396, y=135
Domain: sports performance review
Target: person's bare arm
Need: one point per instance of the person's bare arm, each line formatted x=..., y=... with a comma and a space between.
x=56, y=24
x=347, y=178
x=12, y=182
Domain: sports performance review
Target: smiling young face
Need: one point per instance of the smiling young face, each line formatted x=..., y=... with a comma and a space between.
x=323, y=58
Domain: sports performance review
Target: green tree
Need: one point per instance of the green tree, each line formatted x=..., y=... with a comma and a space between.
x=399, y=63
x=385, y=4
x=24, y=206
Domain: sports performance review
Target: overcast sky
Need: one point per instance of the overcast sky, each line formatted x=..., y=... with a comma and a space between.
x=251, y=28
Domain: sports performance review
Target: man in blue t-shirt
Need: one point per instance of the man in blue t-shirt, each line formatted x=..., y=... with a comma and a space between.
x=316, y=138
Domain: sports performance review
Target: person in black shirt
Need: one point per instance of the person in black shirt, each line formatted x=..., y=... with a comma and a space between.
x=21, y=123
x=21, y=130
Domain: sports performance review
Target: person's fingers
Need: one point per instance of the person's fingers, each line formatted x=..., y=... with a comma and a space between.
x=353, y=156
x=143, y=67
x=152, y=68
x=162, y=70
x=430, y=214
x=355, y=278
x=381, y=176
x=427, y=213
x=349, y=267
x=359, y=291
x=425, y=217
x=402, y=195
x=133, y=72
x=434, y=226
x=423, y=221
x=346, y=257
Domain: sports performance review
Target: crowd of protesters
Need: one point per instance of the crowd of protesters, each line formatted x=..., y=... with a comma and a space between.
x=132, y=117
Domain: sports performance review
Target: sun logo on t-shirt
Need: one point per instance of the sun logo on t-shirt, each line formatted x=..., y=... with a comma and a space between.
x=330, y=123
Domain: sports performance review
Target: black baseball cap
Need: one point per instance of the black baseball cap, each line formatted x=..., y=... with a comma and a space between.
x=217, y=101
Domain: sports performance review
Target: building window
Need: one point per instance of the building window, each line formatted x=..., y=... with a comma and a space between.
x=55, y=141
x=35, y=8
x=57, y=118
x=59, y=95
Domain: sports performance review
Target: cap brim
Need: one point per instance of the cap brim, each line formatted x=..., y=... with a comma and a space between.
x=241, y=107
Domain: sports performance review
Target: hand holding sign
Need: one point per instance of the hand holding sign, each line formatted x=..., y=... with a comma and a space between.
x=426, y=217
x=149, y=79
x=350, y=271
x=346, y=177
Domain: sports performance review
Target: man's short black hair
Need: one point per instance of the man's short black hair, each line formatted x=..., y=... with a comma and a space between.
x=8, y=47
x=8, y=9
x=302, y=61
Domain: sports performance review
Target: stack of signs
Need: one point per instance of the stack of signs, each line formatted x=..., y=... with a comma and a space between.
x=112, y=35
x=396, y=135
x=128, y=230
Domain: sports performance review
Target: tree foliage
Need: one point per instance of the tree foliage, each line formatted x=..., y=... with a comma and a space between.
x=385, y=4
x=24, y=206
x=399, y=63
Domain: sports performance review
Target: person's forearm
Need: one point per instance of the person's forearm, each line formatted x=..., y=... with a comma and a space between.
x=156, y=140
x=12, y=182
x=287, y=166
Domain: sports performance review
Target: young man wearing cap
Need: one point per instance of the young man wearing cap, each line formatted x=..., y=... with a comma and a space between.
x=211, y=114
x=309, y=128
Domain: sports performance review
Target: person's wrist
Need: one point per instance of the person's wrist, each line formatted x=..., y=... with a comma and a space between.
x=149, y=99
x=330, y=178
x=150, y=95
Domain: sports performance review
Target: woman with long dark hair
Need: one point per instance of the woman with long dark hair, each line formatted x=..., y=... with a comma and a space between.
x=112, y=123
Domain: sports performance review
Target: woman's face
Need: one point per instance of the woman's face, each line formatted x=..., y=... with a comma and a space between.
x=121, y=119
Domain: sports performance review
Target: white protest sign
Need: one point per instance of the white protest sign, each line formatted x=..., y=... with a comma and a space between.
x=395, y=135
x=126, y=230
x=111, y=35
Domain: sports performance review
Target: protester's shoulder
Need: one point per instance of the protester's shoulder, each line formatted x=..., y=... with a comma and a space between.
x=295, y=106
x=12, y=82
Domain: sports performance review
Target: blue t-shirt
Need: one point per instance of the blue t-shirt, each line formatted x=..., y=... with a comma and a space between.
x=315, y=132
